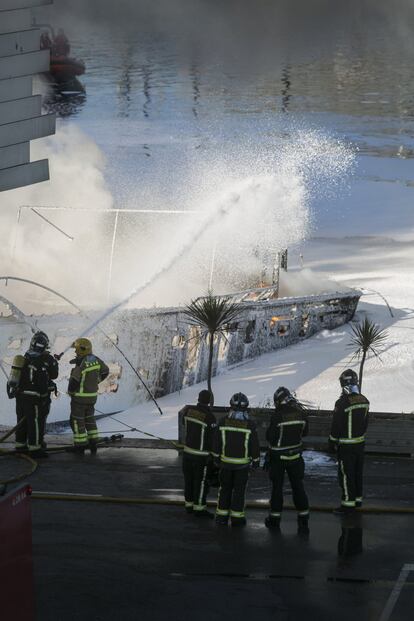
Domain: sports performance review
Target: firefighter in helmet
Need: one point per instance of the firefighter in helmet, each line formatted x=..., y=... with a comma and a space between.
x=287, y=426
x=31, y=383
x=199, y=423
x=236, y=449
x=88, y=372
x=349, y=425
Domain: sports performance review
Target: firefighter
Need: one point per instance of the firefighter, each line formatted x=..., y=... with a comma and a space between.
x=88, y=372
x=30, y=382
x=349, y=424
x=236, y=448
x=199, y=423
x=287, y=426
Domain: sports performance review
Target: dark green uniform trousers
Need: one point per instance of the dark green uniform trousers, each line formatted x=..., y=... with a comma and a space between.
x=28, y=434
x=195, y=481
x=350, y=473
x=83, y=423
x=232, y=493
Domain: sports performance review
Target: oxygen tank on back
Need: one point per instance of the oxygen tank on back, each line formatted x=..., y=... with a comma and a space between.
x=15, y=375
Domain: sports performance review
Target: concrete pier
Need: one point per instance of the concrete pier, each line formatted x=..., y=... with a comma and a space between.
x=100, y=560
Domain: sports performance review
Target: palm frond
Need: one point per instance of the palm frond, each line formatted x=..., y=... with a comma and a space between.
x=212, y=313
x=367, y=337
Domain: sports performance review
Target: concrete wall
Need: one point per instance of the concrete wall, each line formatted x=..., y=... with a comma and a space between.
x=388, y=432
x=20, y=111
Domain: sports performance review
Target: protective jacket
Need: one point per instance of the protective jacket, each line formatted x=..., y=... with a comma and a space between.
x=31, y=383
x=350, y=419
x=236, y=441
x=37, y=375
x=199, y=424
x=287, y=426
x=88, y=372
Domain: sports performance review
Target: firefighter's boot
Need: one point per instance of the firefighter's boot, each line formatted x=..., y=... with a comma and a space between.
x=222, y=520
x=303, y=525
x=203, y=514
x=93, y=447
x=272, y=522
x=38, y=454
x=343, y=510
x=78, y=450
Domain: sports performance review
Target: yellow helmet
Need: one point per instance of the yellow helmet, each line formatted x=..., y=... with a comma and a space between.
x=82, y=346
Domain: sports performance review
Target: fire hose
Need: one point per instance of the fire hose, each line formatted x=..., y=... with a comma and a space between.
x=33, y=463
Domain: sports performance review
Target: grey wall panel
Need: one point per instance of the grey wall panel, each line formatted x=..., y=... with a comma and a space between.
x=27, y=174
x=19, y=42
x=24, y=64
x=15, y=155
x=15, y=88
x=22, y=131
x=21, y=4
x=12, y=21
x=20, y=109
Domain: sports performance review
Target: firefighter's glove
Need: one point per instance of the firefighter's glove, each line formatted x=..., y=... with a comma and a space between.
x=255, y=464
x=53, y=388
x=11, y=391
x=266, y=461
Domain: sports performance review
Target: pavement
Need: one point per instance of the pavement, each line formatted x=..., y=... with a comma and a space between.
x=104, y=561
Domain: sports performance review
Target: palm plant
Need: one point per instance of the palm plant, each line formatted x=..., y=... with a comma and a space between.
x=367, y=338
x=211, y=314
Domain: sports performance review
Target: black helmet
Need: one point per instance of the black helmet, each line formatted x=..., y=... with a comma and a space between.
x=239, y=401
x=282, y=395
x=348, y=378
x=39, y=342
x=204, y=397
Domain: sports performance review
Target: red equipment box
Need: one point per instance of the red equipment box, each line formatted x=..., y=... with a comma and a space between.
x=16, y=566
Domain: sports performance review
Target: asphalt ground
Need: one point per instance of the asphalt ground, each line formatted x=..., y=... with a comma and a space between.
x=99, y=561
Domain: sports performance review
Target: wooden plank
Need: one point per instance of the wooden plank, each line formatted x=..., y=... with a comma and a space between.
x=30, y=129
x=20, y=109
x=13, y=21
x=19, y=42
x=15, y=88
x=27, y=174
x=24, y=64
x=15, y=155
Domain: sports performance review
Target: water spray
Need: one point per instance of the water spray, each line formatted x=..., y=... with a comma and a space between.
x=82, y=312
x=222, y=211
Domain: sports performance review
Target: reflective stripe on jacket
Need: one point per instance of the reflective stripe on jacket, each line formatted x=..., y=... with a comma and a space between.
x=237, y=443
x=287, y=426
x=85, y=377
x=199, y=424
x=350, y=419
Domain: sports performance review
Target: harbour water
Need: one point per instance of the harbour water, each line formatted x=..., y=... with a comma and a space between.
x=191, y=107
x=158, y=108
